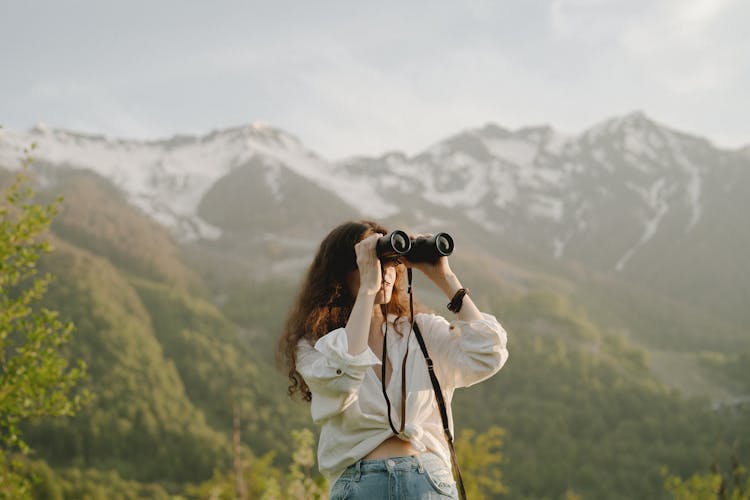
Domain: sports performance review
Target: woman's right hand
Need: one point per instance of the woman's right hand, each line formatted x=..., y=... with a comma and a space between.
x=370, y=278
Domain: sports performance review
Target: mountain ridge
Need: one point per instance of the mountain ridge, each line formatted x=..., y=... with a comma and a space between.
x=627, y=196
x=578, y=400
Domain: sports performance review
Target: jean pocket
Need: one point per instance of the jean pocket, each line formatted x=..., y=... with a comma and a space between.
x=439, y=476
x=341, y=489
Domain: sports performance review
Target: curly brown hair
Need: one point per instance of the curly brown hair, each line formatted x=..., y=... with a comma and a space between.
x=325, y=302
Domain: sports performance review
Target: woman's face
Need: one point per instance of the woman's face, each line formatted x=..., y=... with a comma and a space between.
x=386, y=290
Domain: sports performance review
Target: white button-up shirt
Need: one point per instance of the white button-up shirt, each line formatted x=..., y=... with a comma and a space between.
x=347, y=397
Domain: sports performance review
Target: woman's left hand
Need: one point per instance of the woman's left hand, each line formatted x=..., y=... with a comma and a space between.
x=440, y=274
x=438, y=270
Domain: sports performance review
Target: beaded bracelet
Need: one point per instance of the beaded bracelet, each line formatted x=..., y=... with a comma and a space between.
x=457, y=301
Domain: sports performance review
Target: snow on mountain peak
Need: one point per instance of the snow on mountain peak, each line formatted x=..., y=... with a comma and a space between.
x=167, y=178
x=531, y=175
x=492, y=130
x=612, y=127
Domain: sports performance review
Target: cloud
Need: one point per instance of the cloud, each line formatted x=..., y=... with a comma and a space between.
x=103, y=111
x=357, y=102
x=365, y=79
x=591, y=21
x=684, y=46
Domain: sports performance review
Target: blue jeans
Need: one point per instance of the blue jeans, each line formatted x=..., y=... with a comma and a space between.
x=422, y=476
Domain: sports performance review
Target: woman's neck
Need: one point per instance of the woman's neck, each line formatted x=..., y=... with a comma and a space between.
x=377, y=319
x=377, y=312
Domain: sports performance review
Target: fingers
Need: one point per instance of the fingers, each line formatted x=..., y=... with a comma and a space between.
x=368, y=264
x=366, y=247
x=365, y=252
x=370, y=241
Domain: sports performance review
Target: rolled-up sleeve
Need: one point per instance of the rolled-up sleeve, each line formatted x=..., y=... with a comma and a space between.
x=465, y=352
x=333, y=375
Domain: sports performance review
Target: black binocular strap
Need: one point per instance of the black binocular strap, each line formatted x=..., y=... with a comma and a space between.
x=435, y=386
x=385, y=392
x=443, y=411
x=384, y=360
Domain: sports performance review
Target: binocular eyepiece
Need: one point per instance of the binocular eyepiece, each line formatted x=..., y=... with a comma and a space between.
x=397, y=244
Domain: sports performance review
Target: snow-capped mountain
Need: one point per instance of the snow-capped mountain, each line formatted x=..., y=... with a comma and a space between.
x=550, y=190
x=627, y=196
x=168, y=178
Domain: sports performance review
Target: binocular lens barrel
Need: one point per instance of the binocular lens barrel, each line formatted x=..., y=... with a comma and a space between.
x=431, y=249
x=392, y=245
x=397, y=243
x=444, y=243
x=400, y=242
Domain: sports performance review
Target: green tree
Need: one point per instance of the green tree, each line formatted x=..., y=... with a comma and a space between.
x=713, y=485
x=480, y=459
x=35, y=378
x=267, y=482
x=300, y=482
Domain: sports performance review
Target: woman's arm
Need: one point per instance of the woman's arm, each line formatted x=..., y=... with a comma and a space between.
x=444, y=278
x=464, y=352
x=448, y=282
x=469, y=349
x=370, y=280
x=333, y=375
x=335, y=366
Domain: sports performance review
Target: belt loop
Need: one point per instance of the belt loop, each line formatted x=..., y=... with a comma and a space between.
x=358, y=471
x=420, y=469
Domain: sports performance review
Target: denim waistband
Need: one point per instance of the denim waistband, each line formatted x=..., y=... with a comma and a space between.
x=392, y=464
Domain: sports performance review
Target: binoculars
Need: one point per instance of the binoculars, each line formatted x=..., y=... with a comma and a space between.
x=397, y=244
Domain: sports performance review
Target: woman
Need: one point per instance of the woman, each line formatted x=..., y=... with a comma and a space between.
x=330, y=341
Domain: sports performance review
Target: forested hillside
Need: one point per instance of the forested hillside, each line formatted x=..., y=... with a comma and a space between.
x=611, y=384
x=581, y=411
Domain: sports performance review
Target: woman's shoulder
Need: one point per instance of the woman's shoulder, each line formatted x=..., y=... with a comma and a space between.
x=427, y=320
x=304, y=345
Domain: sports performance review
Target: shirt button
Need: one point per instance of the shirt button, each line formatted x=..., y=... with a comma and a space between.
x=338, y=371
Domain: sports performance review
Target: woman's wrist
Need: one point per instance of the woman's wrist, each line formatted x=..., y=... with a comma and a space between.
x=448, y=283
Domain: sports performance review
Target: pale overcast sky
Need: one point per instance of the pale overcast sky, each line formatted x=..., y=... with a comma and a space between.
x=355, y=77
